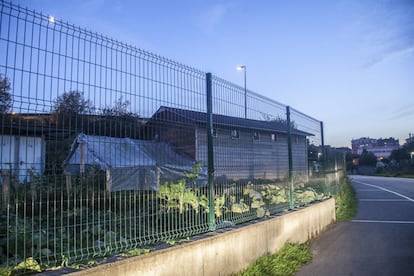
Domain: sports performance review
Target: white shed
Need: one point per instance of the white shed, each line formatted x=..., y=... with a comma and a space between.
x=23, y=156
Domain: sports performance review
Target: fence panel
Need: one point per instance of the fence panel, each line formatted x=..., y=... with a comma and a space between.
x=105, y=147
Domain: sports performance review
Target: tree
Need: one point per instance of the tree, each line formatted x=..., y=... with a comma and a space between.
x=403, y=153
x=367, y=158
x=119, y=109
x=400, y=154
x=5, y=96
x=119, y=122
x=349, y=159
x=278, y=119
x=72, y=103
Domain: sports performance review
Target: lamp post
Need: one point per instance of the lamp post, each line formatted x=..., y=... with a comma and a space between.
x=243, y=67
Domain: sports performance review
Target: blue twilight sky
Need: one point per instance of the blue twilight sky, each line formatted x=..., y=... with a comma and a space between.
x=348, y=63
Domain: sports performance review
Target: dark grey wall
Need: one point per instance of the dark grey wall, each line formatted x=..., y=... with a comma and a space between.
x=246, y=158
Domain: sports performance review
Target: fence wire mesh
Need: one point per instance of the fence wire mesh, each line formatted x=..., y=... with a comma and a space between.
x=105, y=148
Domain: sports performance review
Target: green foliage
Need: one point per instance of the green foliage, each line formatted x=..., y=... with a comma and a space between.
x=219, y=205
x=403, y=153
x=367, y=158
x=256, y=201
x=70, y=111
x=180, y=196
x=402, y=163
x=107, y=223
x=173, y=242
x=5, y=96
x=177, y=196
x=346, y=202
x=349, y=159
x=18, y=230
x=283, y=263
x=307, y=195
x=274, y=194
x=400, y=154
x=28, y=266
x=203, y=201
x=6, y=271
x=135, y=252
x=120, y=109
x=262, y=197
x=192, y=176
x=240, y=207
x=57, y=151
x=72, y=103
x=261, y=212
x=278, y=119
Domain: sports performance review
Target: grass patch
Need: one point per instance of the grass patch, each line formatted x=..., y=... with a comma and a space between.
x=284, y=263
x=346, y=202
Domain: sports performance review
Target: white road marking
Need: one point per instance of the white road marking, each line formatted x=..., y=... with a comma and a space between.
x=370, y=199
x=392, y=192
x=384, y=221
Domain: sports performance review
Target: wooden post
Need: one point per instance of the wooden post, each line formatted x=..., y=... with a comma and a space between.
x=33, y=185
x=108, y=180
x=5, y=174
x=157, y=176
x=68, y=179
x=82, y=158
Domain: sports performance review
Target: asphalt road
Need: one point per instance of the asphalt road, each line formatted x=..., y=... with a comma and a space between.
x=378, y=241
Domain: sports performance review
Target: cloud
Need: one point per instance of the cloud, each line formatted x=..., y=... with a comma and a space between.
x=209, y=19
x=99, y=5
x=390, y=34
x=92, y=4
x=405, y=111
x=397, y=53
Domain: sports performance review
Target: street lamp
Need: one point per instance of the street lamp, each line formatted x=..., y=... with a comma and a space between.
x=52, y=19
x=243, y=67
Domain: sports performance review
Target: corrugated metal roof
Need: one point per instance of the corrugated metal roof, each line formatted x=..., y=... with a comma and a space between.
x=185, y=116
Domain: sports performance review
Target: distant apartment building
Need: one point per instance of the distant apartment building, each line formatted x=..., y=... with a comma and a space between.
x=362, y=143
x=410, y=138
x=382, y=148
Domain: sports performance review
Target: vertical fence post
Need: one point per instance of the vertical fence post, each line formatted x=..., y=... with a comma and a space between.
x=324, y=152
x=210, y=153
x=344, y=163
x=324, y=158
x=5, y=174
x=323, y=143
x=289, y=140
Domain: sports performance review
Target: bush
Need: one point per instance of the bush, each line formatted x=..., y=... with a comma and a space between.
x=346, y=202
x=284, y=263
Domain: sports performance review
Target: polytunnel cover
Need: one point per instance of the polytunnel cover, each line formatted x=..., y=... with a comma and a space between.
x=129, y=164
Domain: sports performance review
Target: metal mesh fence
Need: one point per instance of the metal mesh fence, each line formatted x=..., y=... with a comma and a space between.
x=107, y=148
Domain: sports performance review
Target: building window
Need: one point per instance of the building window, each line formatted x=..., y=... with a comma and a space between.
x=235, y=134
x=274, y=137
x=256, y=136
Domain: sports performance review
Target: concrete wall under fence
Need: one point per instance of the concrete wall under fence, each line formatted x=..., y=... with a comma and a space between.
x=228, y=252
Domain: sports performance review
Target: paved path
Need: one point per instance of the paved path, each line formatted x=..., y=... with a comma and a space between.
x=378, y=241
